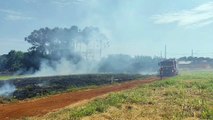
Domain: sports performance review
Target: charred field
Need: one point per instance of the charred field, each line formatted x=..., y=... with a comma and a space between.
x=31, y=87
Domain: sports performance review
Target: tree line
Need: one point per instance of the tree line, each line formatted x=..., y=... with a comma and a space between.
x=54, y=44
x=50, y=45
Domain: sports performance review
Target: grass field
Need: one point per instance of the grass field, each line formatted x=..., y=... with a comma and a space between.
x=8, y=77
x=5, y=77
x=187, y=96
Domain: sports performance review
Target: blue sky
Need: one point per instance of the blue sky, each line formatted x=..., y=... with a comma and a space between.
x=135, y=27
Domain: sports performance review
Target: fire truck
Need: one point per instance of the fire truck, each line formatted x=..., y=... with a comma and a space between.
x=168, y=68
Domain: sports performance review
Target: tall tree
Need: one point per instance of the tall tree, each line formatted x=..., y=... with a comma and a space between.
x=14, y=60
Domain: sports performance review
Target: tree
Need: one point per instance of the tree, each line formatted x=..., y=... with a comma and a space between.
x=127, y=64
x=3, y=60
x=60, y=43
x=51, y=45
x=14, y=60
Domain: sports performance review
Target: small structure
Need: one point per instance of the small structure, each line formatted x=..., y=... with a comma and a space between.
x=168, y=68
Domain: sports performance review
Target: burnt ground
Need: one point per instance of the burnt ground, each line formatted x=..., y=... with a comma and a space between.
x=41, y=86
x=42, y=106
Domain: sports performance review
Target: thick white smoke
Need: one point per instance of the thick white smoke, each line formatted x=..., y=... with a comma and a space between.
x=70, y=50
x=66, y=67
x=7, y=89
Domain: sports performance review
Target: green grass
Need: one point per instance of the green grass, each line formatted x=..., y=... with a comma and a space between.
x=189, y=95
x=8, y=77
x=5, y=77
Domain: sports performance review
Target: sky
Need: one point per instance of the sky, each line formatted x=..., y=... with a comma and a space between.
x=134, y=27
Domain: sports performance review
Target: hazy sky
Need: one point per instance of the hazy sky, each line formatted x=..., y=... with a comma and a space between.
x=135, y=27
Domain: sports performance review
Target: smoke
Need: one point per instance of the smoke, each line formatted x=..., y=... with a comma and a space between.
x=7, y=89
x=120, y=63
x=66, y=67
x=123, y=20
x=83, y=50
x=66, y=51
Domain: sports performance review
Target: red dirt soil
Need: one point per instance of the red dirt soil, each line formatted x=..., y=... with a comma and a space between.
x=42, y=106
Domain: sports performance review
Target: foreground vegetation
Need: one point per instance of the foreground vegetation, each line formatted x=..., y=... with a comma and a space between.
x=188, y=96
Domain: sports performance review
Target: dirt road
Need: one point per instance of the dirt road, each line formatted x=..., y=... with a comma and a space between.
x=54, y=102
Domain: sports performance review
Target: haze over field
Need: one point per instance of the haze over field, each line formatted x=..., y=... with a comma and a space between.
x=69, y=51
x=139, y=27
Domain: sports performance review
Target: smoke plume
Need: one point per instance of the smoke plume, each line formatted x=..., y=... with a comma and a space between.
x=66, y=67
x=7, y=89
x=65, y=51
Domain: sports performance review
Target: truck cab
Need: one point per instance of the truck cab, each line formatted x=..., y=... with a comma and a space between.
x=168, y=68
